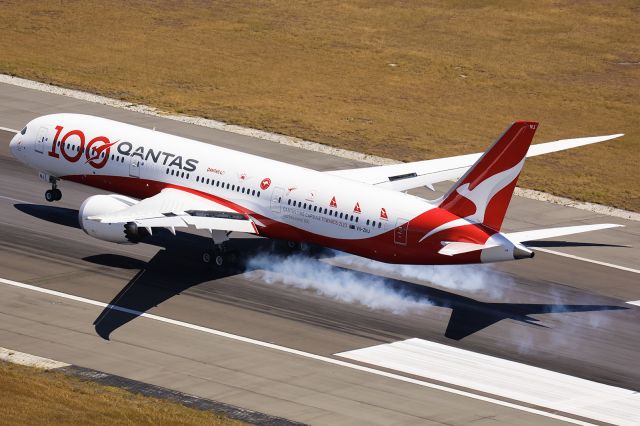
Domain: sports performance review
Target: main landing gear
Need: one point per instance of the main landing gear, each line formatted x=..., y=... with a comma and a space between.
x=215, y=257
x=218, y=255
x=53, y=194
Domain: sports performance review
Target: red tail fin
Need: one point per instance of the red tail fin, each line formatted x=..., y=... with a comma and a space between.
x=483, y=194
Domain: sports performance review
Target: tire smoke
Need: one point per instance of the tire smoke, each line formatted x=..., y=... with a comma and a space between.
x=328, y=278
x=306, y=273
x=475, y=279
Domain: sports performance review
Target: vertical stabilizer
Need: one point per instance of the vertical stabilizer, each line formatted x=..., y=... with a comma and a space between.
x=483, y=194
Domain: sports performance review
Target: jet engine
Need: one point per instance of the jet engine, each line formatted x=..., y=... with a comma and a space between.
x=122, y=232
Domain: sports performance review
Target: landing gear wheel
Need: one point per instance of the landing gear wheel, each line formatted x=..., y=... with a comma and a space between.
x=53, y=194
x=215, y=257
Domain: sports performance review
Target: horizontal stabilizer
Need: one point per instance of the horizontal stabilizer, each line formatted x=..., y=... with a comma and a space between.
x=540, y=234
x=452, y=248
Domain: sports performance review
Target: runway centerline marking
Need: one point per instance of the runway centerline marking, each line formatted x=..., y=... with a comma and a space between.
x=6, y=129
x=300, y=353
x=584, y=259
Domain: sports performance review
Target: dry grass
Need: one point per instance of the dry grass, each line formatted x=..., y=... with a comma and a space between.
x=321, y=70
x=30, y=396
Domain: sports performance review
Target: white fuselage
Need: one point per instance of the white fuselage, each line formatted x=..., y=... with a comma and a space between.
x=141, y=160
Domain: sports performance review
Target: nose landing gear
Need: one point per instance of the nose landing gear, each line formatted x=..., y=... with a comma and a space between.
x=53, y=194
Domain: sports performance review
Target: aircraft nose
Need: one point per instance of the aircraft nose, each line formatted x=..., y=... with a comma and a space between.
x=14, y=143
x=16, y=146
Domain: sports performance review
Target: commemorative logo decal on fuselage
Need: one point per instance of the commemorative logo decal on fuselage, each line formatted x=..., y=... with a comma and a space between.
x=98, y=150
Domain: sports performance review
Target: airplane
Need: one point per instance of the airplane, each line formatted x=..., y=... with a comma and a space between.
x=165, y=181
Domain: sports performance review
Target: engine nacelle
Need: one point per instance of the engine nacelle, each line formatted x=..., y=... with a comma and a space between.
x=121, y=233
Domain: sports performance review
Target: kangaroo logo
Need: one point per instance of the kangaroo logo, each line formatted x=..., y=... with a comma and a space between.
x=480, y=196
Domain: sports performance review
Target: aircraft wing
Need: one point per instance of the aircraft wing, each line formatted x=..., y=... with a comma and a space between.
x=173, y=208
x=404, y=176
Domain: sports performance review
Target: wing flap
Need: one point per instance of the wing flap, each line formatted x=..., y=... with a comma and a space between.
x=211, y=223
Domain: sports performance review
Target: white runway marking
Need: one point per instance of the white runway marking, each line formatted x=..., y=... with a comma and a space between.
x=298, y=353
x=597, y=262
x=14, y=199
x=6, y=129
x=496, y=376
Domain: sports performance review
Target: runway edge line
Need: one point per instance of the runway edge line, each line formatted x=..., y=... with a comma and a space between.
x=584, y=259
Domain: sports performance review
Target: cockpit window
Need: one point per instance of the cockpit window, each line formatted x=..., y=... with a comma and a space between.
x=23, y=131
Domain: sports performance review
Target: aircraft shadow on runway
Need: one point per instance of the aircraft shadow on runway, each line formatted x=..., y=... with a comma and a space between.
x=174, y=269
x=53, y=214
x=163, y=277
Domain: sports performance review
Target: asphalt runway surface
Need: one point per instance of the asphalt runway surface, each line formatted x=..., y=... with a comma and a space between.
x=552, y=312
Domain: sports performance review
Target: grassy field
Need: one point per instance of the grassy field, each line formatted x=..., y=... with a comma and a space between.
x=30, y=396
x=408, y=80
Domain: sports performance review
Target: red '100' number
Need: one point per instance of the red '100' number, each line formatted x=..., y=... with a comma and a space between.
x=96, y=155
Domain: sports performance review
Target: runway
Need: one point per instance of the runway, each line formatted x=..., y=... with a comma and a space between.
x=557, y=313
